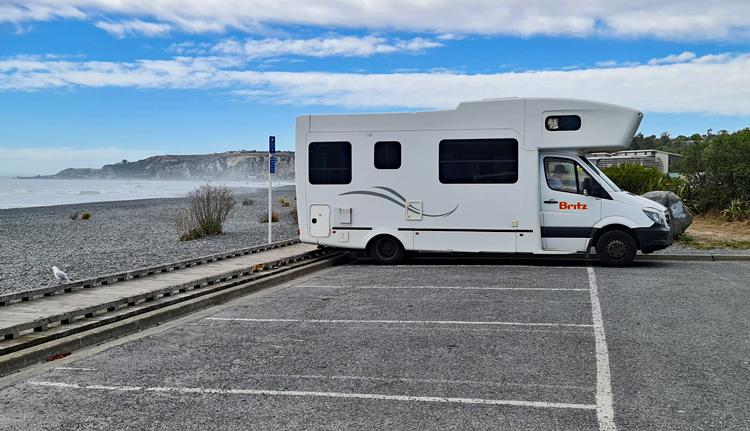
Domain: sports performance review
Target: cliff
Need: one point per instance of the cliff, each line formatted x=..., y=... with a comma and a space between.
x=233, y=165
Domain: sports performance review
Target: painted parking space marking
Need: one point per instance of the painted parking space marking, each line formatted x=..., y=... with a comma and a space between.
x=418, y=380
x=345, y=395
x=322, y=286
x=604, y=408
x=402, y=322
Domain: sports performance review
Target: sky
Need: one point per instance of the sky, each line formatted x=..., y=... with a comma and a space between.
x=89, y=82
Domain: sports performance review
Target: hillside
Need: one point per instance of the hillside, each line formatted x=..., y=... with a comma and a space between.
x=233, y=165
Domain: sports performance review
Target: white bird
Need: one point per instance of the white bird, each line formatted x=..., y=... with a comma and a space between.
x=59, y=275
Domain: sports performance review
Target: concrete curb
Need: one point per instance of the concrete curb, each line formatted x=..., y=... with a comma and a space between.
x=17, y=360
x=696, y=257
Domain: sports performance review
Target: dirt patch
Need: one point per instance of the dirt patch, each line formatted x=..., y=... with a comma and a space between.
x=715, y=232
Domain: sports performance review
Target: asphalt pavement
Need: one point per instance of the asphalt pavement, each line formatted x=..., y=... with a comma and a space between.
x=426, y=345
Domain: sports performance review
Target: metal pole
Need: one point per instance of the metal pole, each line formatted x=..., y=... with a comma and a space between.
x=270, y=197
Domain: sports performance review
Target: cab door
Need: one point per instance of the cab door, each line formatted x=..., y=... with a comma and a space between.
x=570, y=204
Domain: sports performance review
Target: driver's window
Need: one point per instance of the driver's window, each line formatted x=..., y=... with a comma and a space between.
x=561, y=175
x=565, y=175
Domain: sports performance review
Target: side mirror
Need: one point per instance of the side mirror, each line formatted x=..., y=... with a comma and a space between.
x=585, y=192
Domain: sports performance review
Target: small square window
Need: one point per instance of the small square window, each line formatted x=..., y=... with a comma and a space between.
x=388, y=155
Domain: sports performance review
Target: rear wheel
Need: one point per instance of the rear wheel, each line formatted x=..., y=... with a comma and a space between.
x=616, y=248
x=386, y=249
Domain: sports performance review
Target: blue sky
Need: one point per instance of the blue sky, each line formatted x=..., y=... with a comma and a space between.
x=88, y=82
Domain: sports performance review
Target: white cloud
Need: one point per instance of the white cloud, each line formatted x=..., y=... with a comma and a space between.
x=674, y=58
x=136, y=26
x=667, y=19
x=50, y=160
x=716, y=84
x=346, y=46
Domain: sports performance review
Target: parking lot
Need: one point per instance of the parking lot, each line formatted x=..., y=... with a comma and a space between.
x=426, y=345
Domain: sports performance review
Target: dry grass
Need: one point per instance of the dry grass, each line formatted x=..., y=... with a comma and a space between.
x=206, y=210
x=713, y=231
x=274, y=217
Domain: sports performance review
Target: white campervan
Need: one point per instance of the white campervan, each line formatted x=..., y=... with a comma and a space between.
x=499, y=176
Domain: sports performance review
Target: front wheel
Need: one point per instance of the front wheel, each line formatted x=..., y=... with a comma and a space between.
x=616, y=248
x=387, y=249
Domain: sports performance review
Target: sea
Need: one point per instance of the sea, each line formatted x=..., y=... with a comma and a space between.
x=24, y=193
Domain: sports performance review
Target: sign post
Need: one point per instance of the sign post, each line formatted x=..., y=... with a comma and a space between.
x=271, y=170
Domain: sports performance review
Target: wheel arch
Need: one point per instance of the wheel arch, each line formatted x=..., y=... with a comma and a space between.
x=376, y=233
x=598, y=232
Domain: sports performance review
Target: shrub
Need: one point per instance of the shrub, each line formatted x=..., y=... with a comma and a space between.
x=737, y=210
x=206, y=209
x=293, y=215
x=247, y=202
x=77, y=215
x=717, y=171
x=274, y=217
x=639, y=179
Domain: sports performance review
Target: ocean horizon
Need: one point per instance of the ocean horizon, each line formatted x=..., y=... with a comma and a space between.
x=32, y=192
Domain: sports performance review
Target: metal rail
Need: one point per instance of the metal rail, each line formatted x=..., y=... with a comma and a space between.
x=108, y=279
x=135, y=302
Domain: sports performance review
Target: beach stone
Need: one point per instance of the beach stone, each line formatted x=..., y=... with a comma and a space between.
x=679, y=215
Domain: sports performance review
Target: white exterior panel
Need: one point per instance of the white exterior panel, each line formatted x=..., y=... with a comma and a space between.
x=411, y=204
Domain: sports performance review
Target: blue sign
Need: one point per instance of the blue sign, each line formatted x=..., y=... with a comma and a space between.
x=272, y=165
x=272, y=144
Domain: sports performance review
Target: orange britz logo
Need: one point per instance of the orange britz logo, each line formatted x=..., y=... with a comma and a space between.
x=575, y=206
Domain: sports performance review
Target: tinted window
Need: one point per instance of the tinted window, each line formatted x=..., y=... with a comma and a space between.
x=330, y=163
x=472, y=161
x=562, y=122
x=387, y=155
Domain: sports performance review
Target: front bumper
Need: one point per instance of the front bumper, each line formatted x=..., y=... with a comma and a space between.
x=656, y=237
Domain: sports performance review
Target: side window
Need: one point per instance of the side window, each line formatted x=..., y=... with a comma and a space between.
x=387, y=155
x=478, y=161
x=585, y=182
x=565, y=175
x=561, y=175
x=329, y=163
x=562, y=122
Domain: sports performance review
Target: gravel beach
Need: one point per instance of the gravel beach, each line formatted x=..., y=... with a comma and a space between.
x=121, y=236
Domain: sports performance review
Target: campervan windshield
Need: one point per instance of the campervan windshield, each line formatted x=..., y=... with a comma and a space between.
x=601, y=174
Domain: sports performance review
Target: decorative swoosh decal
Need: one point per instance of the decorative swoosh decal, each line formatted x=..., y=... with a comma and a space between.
x=400, y=203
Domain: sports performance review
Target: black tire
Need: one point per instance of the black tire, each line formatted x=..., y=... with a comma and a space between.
x=616, y=248
x=386, y=250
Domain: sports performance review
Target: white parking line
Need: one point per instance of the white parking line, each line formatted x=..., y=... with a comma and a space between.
x=268, y=392
x=74, y=369
x=604, y=409
x=407, y=322
x=438, y=287
x=417, y=380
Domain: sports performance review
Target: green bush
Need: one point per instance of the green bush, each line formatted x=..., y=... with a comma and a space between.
x=717, y=171
x=85, y=216
x=247, y=202
x=737, y=210
x=639, y=179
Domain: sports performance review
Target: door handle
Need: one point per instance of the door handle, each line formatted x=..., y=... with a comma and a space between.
x=551, y=201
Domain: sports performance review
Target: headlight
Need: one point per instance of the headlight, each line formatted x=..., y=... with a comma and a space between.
x=654, y=215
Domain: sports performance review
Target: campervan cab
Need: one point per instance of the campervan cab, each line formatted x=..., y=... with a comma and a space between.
x=492, y=176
